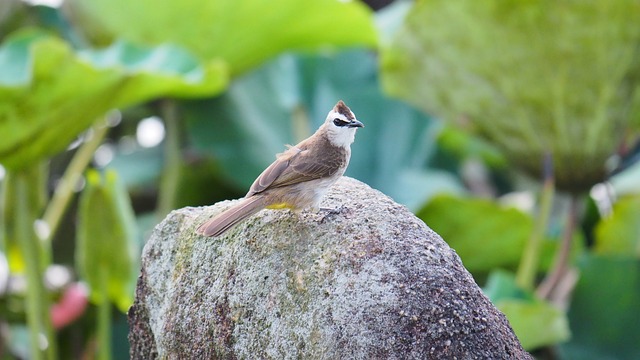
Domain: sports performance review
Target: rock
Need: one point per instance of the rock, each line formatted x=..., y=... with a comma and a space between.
x=367, y=280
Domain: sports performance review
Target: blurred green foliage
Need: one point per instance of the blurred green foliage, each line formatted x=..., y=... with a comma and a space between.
x=49, y=93
x=619, y=234
x=531, y=77
x=604, y=313
x=242, y=33
x=486, y=235
x=536, y=322
x=61, y=76
x=284, y=101
x=538, y=79
x=106, y=248
x=233, y=81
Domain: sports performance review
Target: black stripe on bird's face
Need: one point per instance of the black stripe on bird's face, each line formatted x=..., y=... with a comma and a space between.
x=353, y=123
x=340, y=122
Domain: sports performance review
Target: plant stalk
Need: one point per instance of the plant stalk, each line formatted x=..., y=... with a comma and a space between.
x=561, y=262
x=172, y=158
x=528, y=268
x=26, y=186
x=104, y=320
x=64, y=190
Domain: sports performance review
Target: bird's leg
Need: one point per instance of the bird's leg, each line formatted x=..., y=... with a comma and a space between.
x=328, y=212
x=333, y=211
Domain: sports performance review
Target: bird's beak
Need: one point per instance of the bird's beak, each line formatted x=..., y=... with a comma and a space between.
x=355, y=124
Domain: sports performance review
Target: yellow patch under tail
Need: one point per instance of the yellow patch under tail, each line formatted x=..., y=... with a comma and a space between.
x=280, y=206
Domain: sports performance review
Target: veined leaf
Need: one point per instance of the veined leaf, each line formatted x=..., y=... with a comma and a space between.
x=242, y=32
x=49, y=93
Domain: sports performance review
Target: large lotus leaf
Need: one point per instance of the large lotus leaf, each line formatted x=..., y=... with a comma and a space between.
x=243, y=32
x=530, y=76
x=49, y=93
x=288, y=98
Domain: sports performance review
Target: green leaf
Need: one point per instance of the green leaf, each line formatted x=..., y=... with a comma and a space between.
x=107, y=245
x=484, y=234
x=514, y=73
x=244, y=33
x=603, y=313
x=165, y=69
x=619, y=234
x=535, y=322
x=49, y=94
x=501, y=285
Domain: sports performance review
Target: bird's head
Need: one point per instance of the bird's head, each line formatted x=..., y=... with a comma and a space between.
x=341, y=125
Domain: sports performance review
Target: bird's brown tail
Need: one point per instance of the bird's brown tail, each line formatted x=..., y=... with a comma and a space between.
x=221, y=223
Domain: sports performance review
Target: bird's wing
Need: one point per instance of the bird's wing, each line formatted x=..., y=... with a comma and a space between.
x=295, y=166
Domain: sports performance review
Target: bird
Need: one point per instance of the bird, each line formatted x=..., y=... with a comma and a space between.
x=300, y=176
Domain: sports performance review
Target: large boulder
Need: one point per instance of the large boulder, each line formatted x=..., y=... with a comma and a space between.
x=363, y=280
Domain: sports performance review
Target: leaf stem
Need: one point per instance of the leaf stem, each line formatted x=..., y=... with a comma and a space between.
x=26, y=184
x=104, y=319
x=561, y=261
x=64, y=190
x=172, y=157
x=528, y=267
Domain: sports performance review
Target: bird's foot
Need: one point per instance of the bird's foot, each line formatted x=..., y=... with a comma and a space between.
x=328, y=212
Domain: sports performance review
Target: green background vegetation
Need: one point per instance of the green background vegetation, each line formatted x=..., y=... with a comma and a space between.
x=511, y=127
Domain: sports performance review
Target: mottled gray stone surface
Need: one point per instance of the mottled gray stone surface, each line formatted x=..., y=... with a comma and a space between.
x=367, y=281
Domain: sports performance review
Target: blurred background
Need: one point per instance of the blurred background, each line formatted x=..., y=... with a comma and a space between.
x=510, y=127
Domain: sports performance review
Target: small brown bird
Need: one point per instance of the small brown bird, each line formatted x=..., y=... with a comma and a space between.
x=300, y=176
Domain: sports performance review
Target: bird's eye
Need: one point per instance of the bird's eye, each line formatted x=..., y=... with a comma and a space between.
x=339, y=122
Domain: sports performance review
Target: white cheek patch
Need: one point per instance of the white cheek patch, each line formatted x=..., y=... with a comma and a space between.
x=341, y=136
